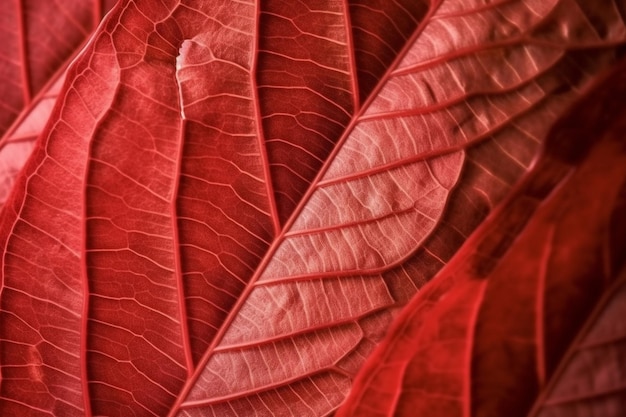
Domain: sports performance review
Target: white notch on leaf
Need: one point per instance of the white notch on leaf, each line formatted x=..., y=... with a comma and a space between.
x=182, y=52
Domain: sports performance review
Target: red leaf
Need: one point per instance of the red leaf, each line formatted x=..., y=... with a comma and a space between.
x=39, y=41
x=591, y=378
x=486, y=336
x=220, y=218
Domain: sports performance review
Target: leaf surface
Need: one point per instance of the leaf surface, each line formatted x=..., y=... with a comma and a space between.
x=39, y=41
x=231, y=200
x=486, y=336
x=591, y=379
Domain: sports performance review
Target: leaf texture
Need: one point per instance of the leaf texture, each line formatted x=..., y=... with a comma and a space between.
x=231, y=201
x=591, y=378
x=485, y=337
x=39, y=40
x=35, y=46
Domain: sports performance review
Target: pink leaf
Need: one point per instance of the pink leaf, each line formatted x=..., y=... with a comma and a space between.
x=485, y=337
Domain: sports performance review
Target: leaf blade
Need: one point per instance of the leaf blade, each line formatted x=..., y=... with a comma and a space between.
x=131, y=171
x=509, y=331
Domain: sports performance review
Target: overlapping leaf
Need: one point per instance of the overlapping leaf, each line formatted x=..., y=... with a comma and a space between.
x=39, y=40
x=591, y=380
x=18, y=143
x=218, y=219
x=486, y=336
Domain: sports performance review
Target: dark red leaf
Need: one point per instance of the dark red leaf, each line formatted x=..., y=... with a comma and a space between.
x=591, y=379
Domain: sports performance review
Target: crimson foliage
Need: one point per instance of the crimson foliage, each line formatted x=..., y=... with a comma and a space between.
x=231, y=202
